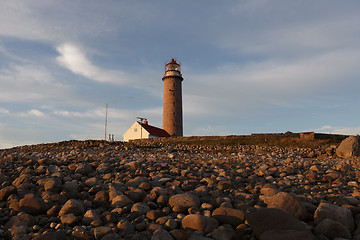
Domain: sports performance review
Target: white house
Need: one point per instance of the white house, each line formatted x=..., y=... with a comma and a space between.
x=142, y=130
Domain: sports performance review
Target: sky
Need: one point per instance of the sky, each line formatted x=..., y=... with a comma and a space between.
x=249, y=66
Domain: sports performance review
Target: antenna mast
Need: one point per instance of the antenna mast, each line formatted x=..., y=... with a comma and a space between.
x=106, y=120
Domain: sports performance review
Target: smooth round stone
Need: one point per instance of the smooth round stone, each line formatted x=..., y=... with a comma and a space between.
x=182, y=202
x=199, y=223
x=140, y=208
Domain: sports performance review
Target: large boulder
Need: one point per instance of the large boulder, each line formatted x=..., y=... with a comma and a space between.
x=349, y=147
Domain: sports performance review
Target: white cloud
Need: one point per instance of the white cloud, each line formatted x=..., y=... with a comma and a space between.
x=26, y=83
x=34, y=113
x=114, y=114
x=288, y=29
x=4, y=111
x=51, y=20
x=74, y=59
x=94, y=113
x=234, y=88
x=339, y=130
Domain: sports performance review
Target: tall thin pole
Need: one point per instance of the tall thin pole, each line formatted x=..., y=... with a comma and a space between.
x=106, y=119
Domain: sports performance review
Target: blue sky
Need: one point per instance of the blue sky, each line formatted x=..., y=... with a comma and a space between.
x=249, y=66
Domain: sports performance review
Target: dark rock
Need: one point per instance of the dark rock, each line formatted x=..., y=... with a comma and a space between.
x=6, y=192
x=264, y=219
x=331, y=229
x=161, y=235
x=339, y=214
x=287, y=234
x=179, y=234
x=224, y=234
x=58, y=235
x=140, y=208
x=136, y=195
x=80, y=233
x=230, y=216
x=125, y=228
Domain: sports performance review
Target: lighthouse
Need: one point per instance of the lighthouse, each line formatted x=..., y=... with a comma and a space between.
x=172, y=106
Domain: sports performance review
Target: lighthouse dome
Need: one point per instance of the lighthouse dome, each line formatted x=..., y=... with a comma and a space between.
x=172, y=69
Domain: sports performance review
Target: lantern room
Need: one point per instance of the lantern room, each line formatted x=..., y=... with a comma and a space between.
x=172, y=69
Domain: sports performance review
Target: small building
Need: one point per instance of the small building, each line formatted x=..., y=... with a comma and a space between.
x=307, y=135
x=142, y=130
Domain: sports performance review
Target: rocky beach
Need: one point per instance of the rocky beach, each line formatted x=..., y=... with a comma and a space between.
x=154, y=190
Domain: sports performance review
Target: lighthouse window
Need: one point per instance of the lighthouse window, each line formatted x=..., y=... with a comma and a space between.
x=174, y=103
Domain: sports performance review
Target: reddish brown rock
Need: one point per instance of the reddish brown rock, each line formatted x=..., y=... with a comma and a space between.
x=101, y=198
x=32, y=205
x=349, y=147
x=100, y=232
x=69, y=219
x=72, y=206
x=121, y=201
x=230, y=216
x=199, y=223
x=6, y=192
x=286, y=202
x=182, y=202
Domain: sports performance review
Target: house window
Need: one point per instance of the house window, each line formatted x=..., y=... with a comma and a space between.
x=135, y=129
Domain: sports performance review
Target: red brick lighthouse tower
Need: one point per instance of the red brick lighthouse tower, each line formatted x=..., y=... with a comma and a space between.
x=172, y=108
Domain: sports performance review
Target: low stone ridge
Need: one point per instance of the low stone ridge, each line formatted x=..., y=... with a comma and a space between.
x=163, y=190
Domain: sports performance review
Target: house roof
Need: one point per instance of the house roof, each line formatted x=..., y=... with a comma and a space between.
x=155, y=131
